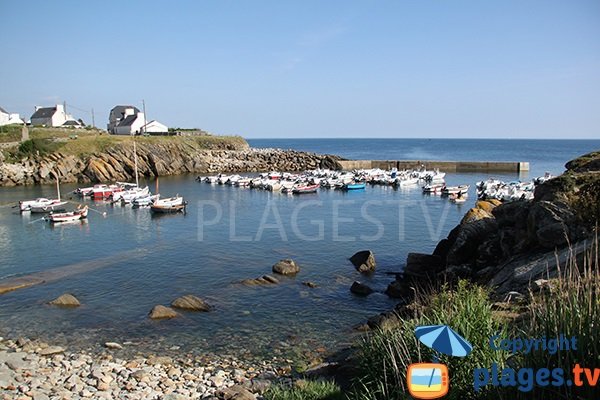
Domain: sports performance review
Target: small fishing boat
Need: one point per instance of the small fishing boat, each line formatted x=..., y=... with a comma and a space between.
x=83, y=192
x=43, y=205
x=145, y=201
x=168, y=206
x=433, y=189
x=448, y=190
x=128, y=196
x=354, y=186
x=102, y=191
x=78, y=214
x=303, y=189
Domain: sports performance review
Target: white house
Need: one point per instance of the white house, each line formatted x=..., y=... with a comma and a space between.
x=7, y=118
x=155, y=127
x=131, y=124
x=118, y=114
x=50, y=116
x=128, y=120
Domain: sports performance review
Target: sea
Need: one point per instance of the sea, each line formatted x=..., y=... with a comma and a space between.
x=122, y=261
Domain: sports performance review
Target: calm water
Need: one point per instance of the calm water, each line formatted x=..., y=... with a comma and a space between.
x=133, y=261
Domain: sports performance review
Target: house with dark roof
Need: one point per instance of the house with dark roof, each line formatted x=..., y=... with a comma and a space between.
x=128, y=120
x=118, y=114
x=7, y=118
x=51, y=116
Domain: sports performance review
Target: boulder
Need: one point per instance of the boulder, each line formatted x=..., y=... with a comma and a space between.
x=468, y=238
x=286, y=267
x=51, y=350
x=360, y=289
x=270, y=279
x=364, y=261
x=66, y=300
x=190, y=303
x=486, y=205
x=418, y=264
x=162, y=312
x=475, y=214
x=236, y=392
x=399, y=290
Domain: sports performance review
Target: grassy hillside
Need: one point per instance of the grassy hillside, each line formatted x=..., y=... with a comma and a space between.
x=83, y=142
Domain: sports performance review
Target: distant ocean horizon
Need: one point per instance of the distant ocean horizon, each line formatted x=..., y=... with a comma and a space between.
x=544, y=155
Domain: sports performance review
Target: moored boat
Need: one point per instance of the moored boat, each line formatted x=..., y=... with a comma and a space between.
x=303, y=189
x=354, y=186
x=168, y=206
x=78, y=214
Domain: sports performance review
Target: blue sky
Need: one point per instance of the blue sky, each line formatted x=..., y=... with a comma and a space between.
x=488, y=69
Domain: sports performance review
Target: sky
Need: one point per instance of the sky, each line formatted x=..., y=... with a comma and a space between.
x=283, y=69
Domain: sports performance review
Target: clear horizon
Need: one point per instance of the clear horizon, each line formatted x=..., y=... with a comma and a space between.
x=340, y=69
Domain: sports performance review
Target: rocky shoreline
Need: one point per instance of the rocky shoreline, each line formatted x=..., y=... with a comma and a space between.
x=156, y=159
x=31, y=369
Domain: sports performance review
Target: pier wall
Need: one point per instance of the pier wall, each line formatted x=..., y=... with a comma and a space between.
x=445, y=166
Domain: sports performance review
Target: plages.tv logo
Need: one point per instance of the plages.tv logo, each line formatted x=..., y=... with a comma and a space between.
x=431, y=380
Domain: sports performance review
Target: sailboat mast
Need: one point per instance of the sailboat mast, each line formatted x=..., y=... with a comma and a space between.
x=137, y=183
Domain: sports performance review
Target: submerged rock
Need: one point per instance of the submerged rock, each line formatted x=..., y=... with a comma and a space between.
x=310, y=284
x=162, y=312
x=190, y=303
x=66, y=300
x=364, y=261
x=360, y=289
x=286, y=267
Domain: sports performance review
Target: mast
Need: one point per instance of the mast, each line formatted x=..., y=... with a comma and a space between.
x=57, y=187
x=137, y=183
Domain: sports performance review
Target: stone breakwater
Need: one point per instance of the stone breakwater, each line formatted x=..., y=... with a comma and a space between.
x=156, y=159
x=35, y=370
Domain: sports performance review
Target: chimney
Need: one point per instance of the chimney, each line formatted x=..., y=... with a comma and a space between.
x=60, y=108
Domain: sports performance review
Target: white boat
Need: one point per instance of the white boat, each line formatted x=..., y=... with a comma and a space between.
x=169, y=205
x=43, y=205
x=455, y=189
x=145, y=201
x=129, y=196
x=78, y=214
x=407, y=182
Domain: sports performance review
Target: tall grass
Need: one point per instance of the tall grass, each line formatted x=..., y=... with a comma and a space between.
x=306, y=390
x=571, y=306
x=385, y=355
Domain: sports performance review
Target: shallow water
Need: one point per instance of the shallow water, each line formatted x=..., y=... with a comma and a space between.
x=122, y=264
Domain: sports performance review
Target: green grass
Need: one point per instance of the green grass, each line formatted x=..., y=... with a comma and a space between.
x=306, y=390
x=572, y=307
x=385, y=355
x=84, y=142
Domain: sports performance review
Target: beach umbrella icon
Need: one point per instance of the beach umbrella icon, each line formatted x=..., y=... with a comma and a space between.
x=443, y=339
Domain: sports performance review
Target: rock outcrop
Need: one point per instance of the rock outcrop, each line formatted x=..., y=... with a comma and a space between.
x=286, y=267
x=162, y=312
x=66, y=300
x=364, y=261
x=190, y=303
x=157, y=158
x=509, y=245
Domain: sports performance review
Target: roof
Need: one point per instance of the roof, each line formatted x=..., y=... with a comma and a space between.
x=72, y=122
x=45, y=112
x=128, y=121
x=3, y=110
x=118, y=111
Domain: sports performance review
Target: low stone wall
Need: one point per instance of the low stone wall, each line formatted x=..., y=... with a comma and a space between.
x=446, y=166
